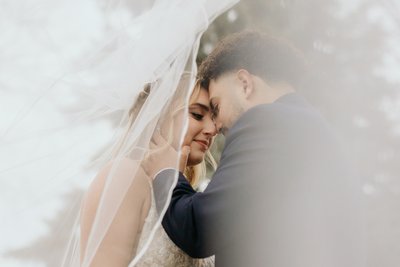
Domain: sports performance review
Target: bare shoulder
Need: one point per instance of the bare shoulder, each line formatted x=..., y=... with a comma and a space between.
x=123, y=186
x=120, y=175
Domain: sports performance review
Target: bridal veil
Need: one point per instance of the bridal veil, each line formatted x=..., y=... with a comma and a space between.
x=69, y=100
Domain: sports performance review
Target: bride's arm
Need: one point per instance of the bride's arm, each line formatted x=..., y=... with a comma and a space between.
x=120, y=241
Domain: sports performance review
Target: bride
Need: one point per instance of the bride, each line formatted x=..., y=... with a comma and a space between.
x=119, y=225
x=137, y=210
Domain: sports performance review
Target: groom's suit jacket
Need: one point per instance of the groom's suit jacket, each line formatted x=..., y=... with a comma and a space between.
x=282, y=195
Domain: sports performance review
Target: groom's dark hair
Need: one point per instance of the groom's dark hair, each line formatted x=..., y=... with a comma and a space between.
x=270, y=58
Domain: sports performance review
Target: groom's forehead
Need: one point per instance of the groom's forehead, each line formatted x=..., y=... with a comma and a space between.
x=224, y=78
x=219, y=84
x=219, y=89
x=215, y=90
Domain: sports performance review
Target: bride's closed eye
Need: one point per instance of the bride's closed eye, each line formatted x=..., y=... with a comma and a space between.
x=198, y=111
x=197, y=116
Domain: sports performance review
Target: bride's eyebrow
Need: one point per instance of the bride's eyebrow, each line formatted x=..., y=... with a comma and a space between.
x=204, y=107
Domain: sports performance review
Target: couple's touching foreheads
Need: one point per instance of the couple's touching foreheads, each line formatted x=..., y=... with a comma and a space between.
x=282, y=194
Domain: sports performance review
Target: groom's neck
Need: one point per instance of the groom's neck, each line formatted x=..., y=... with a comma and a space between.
x=267, y=93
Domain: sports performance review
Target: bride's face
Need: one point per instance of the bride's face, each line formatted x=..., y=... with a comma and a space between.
x=201, y=128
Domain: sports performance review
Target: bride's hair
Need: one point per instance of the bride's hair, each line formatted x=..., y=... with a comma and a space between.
x=194, y=173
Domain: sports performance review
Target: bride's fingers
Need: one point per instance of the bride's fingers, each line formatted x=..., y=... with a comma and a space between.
x=158, y=139
x=153, y=145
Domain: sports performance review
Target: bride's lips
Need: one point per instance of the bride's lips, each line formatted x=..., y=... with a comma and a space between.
x=203, y=144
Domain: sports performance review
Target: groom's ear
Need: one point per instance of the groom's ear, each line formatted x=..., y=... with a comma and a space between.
x=246, y=81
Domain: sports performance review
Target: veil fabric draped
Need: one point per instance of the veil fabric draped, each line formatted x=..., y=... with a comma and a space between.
x=74, y=117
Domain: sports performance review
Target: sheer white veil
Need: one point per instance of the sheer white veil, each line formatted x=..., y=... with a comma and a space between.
x=77, y=117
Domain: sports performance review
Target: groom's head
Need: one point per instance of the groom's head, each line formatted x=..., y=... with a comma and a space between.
x=246, y=69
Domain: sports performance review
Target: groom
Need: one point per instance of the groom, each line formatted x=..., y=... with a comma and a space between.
x=282, y=195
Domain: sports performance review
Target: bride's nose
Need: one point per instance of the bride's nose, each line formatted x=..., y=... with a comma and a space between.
x=210, y=127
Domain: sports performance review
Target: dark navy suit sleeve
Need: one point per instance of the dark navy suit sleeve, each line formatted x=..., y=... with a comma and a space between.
x=192, y=217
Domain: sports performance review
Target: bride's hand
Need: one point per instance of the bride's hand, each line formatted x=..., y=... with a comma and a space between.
x=163, y=155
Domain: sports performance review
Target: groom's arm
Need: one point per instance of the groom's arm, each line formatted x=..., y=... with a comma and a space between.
x=190, y=220
x=203, y=223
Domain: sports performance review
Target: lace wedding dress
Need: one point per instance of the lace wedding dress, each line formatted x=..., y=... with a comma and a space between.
x=162, y=251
